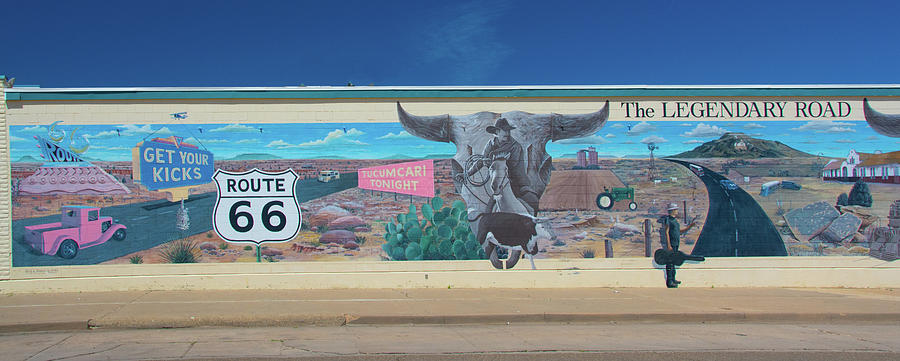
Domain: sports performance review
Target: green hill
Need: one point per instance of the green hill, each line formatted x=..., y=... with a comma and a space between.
x=740, y=145
x=29, y=159
x=399, y=156
x=438, y=156
x=254, y=156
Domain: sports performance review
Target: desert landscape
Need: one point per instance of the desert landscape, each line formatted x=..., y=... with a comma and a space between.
x=351, y=224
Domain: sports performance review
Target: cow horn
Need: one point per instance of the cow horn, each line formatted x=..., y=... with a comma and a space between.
x=578, y=125
x=887, y=124
x=436, y=127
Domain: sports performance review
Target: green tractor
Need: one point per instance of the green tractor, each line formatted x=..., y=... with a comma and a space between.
x=608, y=198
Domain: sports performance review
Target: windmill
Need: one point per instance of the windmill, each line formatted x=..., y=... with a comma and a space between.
x=652, y=146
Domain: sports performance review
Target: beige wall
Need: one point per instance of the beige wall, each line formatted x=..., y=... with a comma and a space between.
x=855, y=272
x=367, y=110
x=639, y=272
x=5, y=200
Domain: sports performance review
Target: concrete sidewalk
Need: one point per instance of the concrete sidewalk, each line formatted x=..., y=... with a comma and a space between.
x=265, y=308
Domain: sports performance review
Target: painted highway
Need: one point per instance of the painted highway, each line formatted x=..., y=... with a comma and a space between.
x=151, y=224
x=735, y=226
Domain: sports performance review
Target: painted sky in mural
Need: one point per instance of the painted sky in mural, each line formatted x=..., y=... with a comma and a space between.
x=389, y=140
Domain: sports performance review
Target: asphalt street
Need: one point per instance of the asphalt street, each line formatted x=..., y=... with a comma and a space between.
x=735, y=226
x=520, y=342
x=151, y=224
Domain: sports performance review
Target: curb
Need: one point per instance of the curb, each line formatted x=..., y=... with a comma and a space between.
x=372, y=320
x=45, y=326
x=634, y=318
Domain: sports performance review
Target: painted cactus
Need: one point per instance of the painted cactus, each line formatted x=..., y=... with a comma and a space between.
x=441, y=233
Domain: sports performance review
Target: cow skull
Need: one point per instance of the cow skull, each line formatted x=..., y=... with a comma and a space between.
x=532, y=131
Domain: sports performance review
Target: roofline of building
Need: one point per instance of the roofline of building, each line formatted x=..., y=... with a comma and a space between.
x=401, y=92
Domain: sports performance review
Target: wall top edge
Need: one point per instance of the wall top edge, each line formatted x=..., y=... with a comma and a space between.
x=324, y=92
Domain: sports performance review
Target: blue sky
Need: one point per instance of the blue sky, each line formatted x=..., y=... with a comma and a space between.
x=276, y=43
x=382, y=140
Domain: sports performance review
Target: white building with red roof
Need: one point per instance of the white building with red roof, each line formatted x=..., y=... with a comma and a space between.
x=870, y=167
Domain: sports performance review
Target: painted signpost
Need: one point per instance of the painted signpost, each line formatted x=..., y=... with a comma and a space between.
x=256, y=206
x=413, y=178
x=171, y=165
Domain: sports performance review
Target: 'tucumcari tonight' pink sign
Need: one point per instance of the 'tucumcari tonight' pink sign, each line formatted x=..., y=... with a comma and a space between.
x=415, y=178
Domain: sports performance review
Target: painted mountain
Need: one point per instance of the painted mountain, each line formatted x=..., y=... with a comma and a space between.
x=740, y=145
x=255, y=156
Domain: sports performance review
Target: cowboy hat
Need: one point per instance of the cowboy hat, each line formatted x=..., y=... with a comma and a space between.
x=502, y=123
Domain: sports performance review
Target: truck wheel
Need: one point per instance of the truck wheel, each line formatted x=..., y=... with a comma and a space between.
x=632, y=206
x=119, y=235
x=67, y=249
x=605, y=200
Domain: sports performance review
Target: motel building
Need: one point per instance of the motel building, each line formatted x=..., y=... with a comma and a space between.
x=875, y=167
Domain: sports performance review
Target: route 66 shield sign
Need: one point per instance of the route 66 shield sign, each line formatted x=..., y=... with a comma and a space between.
x=256, y=206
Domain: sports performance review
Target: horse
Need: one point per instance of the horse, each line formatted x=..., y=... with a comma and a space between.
x=503, y=200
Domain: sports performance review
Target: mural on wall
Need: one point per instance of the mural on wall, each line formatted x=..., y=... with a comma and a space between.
x=490, y=186
x=503, y=183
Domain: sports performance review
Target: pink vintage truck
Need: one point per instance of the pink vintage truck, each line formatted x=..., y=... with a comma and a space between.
x=81, y=227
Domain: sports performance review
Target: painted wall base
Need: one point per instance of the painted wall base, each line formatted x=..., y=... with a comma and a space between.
x=851, y=272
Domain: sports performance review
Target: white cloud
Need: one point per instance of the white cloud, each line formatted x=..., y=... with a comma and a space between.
x=279, y=144
x=837, y=130
x=704, y=130
x=871, y=137
x=236, y=128
x=628, y=142
x=13, y=138
x=109, y=148
x=653, y=139
x=826, y=126
x=610, y=135
x=131, y=129
x=594, y=139
x=400, y=135
x=641, y=128
x=693, y=141
x=686, y=124
x=194, y=141
x=247, y=141
x=334, y=137
x=102, y=135
x=844, y=141
x=35, y=129
x=749, y=126
x=617, y=125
